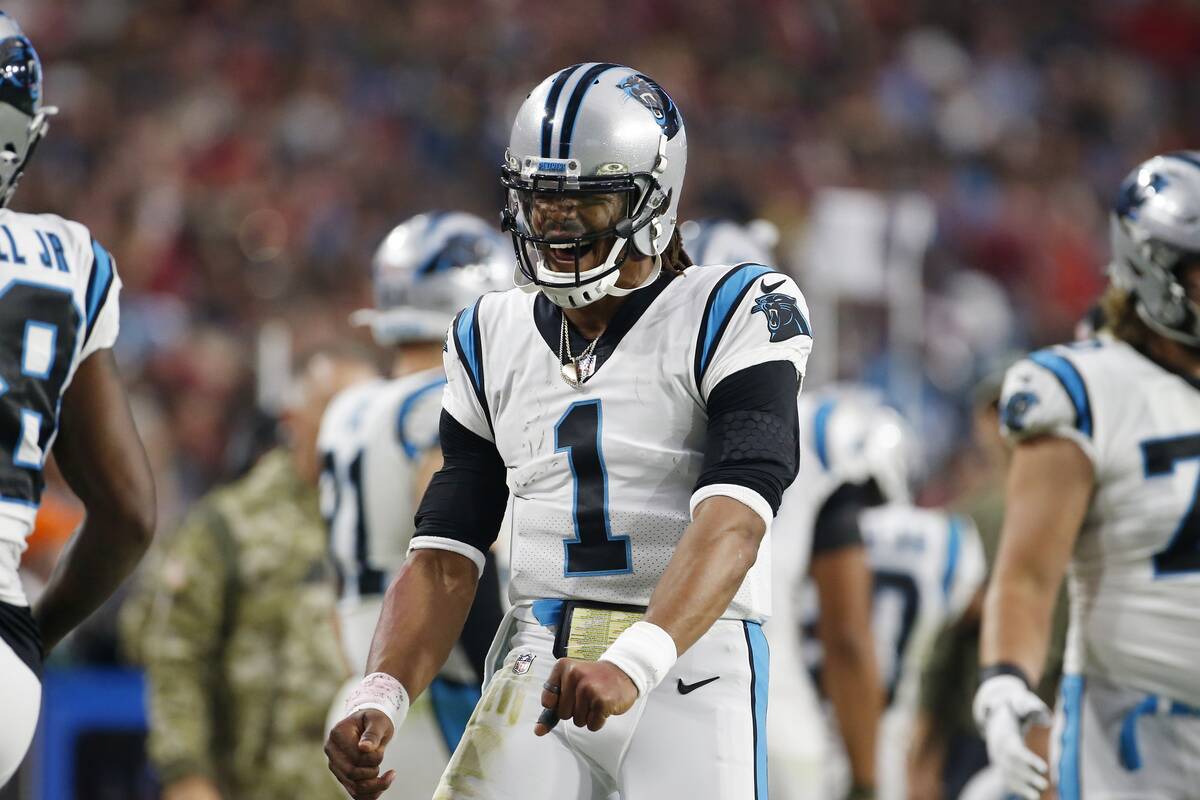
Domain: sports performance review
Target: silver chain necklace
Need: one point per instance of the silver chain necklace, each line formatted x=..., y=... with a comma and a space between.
x=575, y=369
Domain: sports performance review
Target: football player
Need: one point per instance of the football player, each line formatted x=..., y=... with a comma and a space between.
x=637, y=421
x=59, y=389
x=1104, y=479
x=796, y=729
x=379, y=447
x=926, y=565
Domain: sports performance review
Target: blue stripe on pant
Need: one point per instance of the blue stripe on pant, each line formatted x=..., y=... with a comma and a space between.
x=1068, y=760
x=760, y=677
x=452, y=706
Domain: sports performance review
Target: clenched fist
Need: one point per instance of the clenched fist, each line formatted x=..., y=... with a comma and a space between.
x=585, y=691
x=355, y=750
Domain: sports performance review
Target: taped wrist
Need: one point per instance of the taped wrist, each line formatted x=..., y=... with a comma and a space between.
x=644, y=652
x=381, y=692
x=1004, y=668
x=995, y=691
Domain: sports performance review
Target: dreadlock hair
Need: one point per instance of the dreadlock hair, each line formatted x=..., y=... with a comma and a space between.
x=1122, y=320
x=675, y=259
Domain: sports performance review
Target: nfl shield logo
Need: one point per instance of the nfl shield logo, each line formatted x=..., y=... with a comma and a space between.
x=522, y=664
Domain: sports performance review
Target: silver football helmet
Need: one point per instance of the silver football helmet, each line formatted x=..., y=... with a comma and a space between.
x=428, y=268
x=1155, y=229
x=23, y=118
x=857, y=437
x=723, y=241
x=596, y=158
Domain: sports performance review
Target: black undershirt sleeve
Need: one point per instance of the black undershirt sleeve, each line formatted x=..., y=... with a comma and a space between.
x=837, y=520
x=753, y=431
x=466, y=498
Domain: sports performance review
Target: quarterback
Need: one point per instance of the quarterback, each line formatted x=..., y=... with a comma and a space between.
x=1104, y=478
x=633, y=423
x=60, y=390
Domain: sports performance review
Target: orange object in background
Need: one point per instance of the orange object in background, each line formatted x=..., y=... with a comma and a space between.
x=60, y=514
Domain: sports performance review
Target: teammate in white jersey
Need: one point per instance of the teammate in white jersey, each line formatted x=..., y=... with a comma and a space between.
x=926, y=564
x=379, y=447
x=1104, y=476
x=59, y=389
x=796, y=729
x=637, y=421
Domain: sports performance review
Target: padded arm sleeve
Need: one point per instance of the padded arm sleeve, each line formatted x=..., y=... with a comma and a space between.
x=464, y=505
x=752, y=440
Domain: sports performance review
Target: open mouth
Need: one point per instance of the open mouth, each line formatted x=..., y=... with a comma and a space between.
x=563, y=255
x=772, y=318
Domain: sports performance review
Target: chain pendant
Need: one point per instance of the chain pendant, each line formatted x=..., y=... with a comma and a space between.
x=570, y=374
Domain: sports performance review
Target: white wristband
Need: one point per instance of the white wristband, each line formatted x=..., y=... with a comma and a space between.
x=644, y=652
x=381, y=692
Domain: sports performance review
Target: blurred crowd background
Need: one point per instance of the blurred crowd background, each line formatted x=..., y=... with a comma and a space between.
x=242, y=160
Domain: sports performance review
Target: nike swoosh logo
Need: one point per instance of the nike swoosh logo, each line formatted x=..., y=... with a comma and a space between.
x=685, y=688
x=766, y=288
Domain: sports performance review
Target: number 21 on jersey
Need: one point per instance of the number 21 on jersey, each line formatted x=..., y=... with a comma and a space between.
x=594, y=550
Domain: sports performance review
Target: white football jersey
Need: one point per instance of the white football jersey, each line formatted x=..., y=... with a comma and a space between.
x=371, y=441
x=927, y=565
x=58, y=305
x=1134, y=578
x=602, y=478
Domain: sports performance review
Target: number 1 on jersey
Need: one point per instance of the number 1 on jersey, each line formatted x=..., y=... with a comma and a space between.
x=594, y=550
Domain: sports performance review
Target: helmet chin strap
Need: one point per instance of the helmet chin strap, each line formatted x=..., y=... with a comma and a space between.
x=651, y=278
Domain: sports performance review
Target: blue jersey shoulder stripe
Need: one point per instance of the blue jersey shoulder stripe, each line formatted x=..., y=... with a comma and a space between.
x=414, y=449
x=470, y=351
x=722, y=302
x=953, y=547
x=821, y=431
x=99, y=282
x=1072, y=381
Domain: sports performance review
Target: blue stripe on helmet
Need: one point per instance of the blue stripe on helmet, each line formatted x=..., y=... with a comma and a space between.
x=551, y=107
x=1184, y=155
x=571, y=114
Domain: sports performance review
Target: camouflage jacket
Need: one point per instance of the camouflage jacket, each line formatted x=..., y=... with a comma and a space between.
x=240, y=644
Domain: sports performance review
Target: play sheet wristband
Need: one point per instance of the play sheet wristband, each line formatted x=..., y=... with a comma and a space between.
x=586, y=630
x=617, y=634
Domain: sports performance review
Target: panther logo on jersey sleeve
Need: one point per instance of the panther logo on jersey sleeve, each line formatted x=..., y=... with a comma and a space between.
x=1012, y=415
x=784, y=319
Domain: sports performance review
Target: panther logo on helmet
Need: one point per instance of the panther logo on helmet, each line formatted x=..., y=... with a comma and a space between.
x=654, y=98
x=784, y=318
x=1135, y=191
